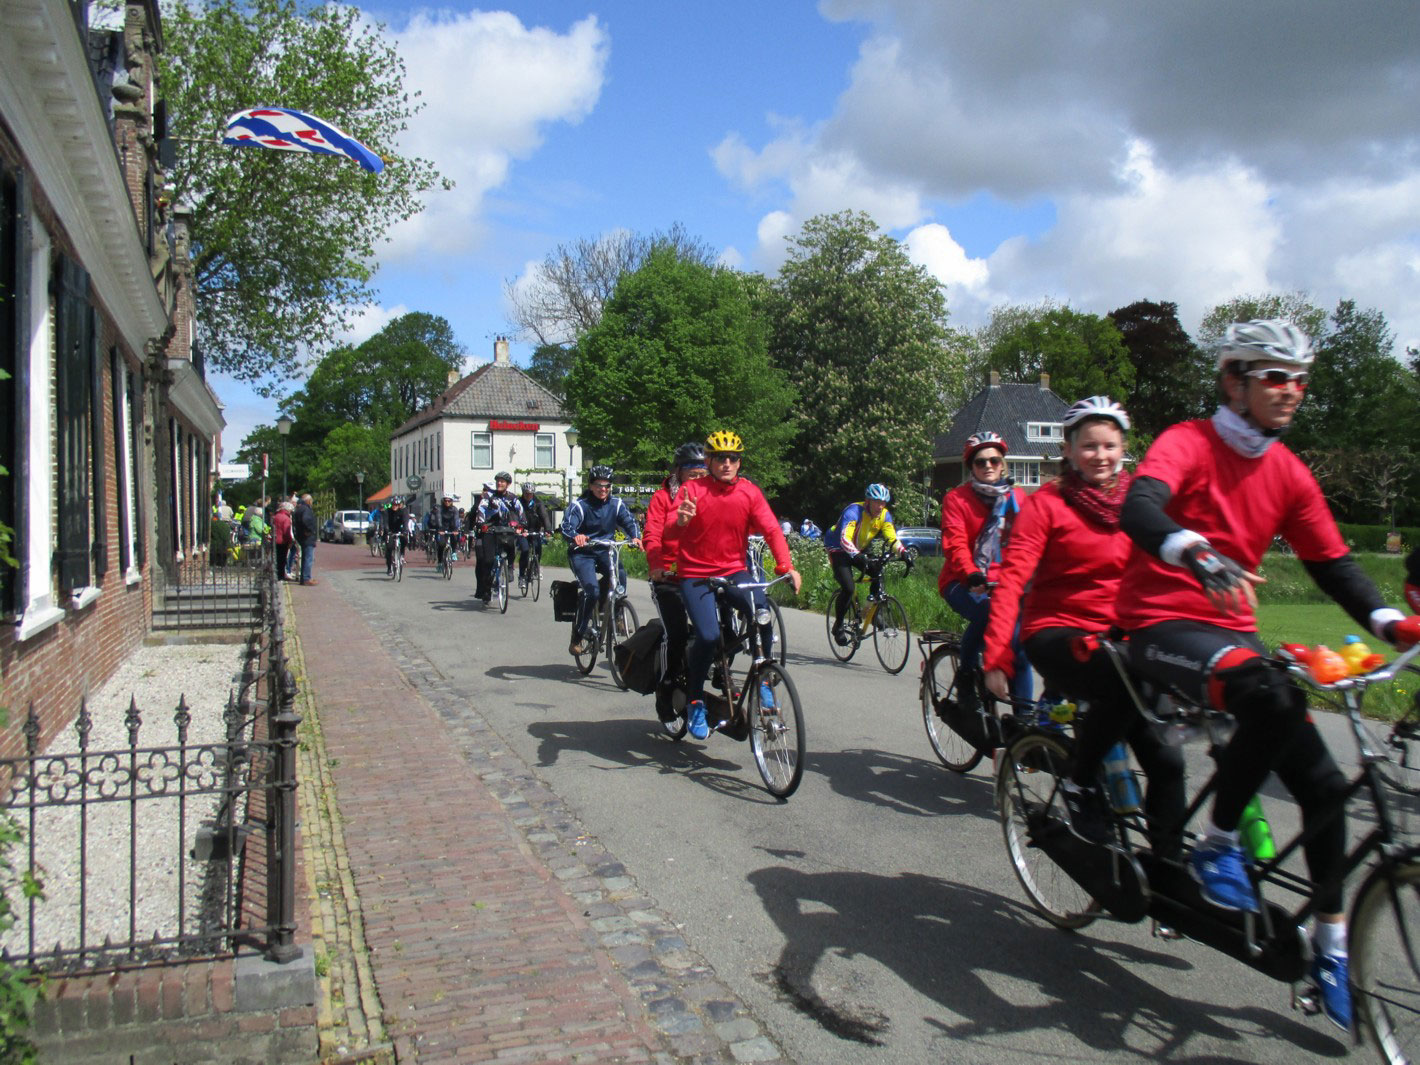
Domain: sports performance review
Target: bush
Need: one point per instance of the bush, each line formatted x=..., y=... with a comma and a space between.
x=1373, y=537
x=1289, y=582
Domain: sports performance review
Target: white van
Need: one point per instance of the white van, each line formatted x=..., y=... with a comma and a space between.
x=351, y=523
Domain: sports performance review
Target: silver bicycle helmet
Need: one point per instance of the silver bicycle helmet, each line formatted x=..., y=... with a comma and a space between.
x=1271, y=339
x=1097, y=407
x=878, y=491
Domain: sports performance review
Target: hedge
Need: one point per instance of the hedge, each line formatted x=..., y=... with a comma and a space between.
x=1373, y=537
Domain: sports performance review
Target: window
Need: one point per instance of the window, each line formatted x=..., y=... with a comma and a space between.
x=482, y=456
x=1045, y=431
x=439, y=451
x=123, y=451
x=11, y=422
x=543, y=456
x=1024, y=473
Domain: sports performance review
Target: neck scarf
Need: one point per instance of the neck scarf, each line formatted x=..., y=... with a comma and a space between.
x=1100, y=505
x=995, y=531
x=1240, y=434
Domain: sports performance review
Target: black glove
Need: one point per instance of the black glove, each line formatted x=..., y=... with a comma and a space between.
x=1217, y=573
x=976, y=580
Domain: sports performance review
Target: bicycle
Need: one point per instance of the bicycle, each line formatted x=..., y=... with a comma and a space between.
x=375, y=541
x=395, y=569
x=1071, y=882
x=614, y=619
x=764, y=707
x=883, y=616
x=501, y=563
x=448, y=555
x=532, y=581
x=754, y=557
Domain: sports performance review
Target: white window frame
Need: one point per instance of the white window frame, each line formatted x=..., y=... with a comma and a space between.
x=1025, y=472
x=1052, y=432
x=125, y=459
x=473, y=446
x=551, y=445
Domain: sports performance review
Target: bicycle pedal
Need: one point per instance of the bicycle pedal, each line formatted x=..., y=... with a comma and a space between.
x=1307, y=999
x=1159, y=930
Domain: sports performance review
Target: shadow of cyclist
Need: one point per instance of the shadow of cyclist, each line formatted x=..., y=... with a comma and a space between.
x=914, y=786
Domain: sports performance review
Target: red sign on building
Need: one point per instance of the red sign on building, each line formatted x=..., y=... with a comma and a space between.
x=517, y=427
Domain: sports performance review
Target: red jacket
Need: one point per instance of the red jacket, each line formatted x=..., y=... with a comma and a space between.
x=712, y=544
x=963, y=514
x=281, y=526
x=660, y=532
x=1072, y=566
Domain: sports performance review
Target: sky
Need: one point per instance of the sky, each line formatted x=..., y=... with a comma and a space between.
x=1090, y=154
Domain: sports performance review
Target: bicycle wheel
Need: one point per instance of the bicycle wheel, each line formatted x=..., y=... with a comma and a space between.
x=591, y=642
x=1385, y=953
x=621, y=622
x=951, y=749
x=1030, y=805
x=892, y=639
x=500, y=577
x=534, y=577
x=399, y=566
x=781, y=644
x=776, y=734
x=373, y=544
x=853, y=619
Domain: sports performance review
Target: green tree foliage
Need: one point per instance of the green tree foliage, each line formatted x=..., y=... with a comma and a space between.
x=1295, y=307
x=861, y=331
x=1084, y=354
x=679, y=352
x=550, y=365
x=347, y=450
x=283, y=245
x=1173, y=377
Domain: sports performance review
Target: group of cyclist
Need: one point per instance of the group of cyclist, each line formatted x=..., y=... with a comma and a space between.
x=1169, y=558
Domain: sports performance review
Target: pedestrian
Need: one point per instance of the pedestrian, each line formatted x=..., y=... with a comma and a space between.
x=281, y=534
x=303, y=527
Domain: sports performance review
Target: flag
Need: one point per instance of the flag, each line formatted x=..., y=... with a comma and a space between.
x=295, y=131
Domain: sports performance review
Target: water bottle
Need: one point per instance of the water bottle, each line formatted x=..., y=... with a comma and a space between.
x=1255, y=833
x=1119, y=778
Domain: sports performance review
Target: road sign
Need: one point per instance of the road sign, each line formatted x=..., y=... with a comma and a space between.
x=414, y=481
x=233, y=471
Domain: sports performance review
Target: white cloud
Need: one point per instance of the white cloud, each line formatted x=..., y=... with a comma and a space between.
x=490, y=86
x=933, y=247
x=369, y=320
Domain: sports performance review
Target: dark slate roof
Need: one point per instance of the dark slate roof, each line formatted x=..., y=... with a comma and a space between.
x=1005, y=409
x=494, y=390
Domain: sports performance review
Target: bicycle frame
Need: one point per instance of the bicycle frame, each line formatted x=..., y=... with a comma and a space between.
x=614, y=589
x=732, y=643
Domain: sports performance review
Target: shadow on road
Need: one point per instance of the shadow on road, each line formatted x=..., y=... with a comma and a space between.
x=958, y=945
x=551, y=671
x=904, y=784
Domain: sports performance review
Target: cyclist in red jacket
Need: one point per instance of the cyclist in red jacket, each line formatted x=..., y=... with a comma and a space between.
x=1204, y=506
x=658, y=538
x=716, y=515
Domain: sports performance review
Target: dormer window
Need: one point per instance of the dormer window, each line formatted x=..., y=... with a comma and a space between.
x=1052, y=432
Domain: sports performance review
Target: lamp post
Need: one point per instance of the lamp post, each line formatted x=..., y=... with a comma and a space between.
x=360, y=490
x=572, y=438
x=283, y=426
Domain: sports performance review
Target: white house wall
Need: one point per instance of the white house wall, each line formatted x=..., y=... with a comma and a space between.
x=451, y=469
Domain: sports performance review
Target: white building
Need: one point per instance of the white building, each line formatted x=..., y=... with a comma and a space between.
x=495, y=419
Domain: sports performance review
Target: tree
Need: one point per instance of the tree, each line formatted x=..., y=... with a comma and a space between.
x=1083, y=353
x=1354, y=381
x=550, y=365
x=283, y=245
x=678, y=353
x=1295, y=307
x=565, y=295
x=348, y=450
x=861, y=332
x=1172, y=376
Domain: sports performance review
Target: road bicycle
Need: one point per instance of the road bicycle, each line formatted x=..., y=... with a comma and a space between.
x=883, y=617
x=1071, y=882
x=498, y=576
x=612, y=621
x=762, y=706
x=531, y=582
x=395, y=569
x=754, y=559
x=964, y=721
x=448, y=555
x=376, y=542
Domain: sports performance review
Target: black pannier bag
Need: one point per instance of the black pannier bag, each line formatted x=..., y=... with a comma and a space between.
x=638, y=657
x=564, y=600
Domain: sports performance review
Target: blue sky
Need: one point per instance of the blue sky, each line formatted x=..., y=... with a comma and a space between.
x=1090, y=154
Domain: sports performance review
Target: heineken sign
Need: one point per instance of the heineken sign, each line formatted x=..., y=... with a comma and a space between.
x=517, y=427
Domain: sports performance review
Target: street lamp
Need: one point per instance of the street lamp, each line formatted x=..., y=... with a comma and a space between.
x=571, y=435
x=360, y=490
x=283, y=426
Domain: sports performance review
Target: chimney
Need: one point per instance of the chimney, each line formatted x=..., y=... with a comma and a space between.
x=993, y=379
x=500, y=350
x=1045, y=382
x=453, y=378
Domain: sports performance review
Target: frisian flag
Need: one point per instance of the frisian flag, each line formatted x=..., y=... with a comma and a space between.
x=295, y=131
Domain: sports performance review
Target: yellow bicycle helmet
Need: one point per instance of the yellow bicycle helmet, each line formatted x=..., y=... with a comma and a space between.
x=724, y=441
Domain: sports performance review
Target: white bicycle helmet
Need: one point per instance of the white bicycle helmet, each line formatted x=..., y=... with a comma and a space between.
x=878, y=491
x=1097, y=407
x=1271, y=339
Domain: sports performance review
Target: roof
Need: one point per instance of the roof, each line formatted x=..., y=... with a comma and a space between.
x=1004, y=409
x=494, y=390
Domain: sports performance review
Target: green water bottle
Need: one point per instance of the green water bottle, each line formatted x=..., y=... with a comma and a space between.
x=1256, y=833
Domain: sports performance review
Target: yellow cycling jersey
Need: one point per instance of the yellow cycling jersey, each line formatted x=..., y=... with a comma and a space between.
x=856, y=529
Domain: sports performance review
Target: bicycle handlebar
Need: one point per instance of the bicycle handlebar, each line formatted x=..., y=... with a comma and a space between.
x=725, y=582
x=1360, y=681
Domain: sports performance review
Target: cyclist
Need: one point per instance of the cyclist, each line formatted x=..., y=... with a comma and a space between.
x=809, y=531
x=687, y=464
x=1204, y=506
x=716, y=515
x=371, y=524
x=498, y=507
x=444, y=523
x=977, y=516
x=595, y=516
x=859, y=525
x=396, y=525
x=538, y=521
x=1067, y=555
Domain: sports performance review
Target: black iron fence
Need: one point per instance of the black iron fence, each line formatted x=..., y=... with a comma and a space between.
x=155, y=852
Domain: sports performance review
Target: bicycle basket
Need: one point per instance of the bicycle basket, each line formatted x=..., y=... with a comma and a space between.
x=564, y=600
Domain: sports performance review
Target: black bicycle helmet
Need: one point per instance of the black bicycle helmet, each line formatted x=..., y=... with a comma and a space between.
x=691, y=453
x=600, y=473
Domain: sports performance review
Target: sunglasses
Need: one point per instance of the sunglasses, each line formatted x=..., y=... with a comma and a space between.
x=726, y=456
x=987, y=462
x=1281, y=378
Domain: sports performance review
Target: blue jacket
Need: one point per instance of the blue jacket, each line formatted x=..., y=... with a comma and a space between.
x=598, y=519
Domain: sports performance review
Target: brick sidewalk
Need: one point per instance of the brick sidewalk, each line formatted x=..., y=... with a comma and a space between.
x=497, y=929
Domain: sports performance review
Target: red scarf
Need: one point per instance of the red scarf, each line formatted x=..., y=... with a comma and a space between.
x=1097, y=504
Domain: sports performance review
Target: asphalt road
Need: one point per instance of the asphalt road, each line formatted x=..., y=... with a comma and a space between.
x=873, y=917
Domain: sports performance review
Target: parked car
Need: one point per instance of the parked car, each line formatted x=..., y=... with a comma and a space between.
x=921, y=540
x=355, y=523
x=329, y=533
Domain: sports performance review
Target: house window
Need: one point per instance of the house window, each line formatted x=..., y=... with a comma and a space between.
x=543, y=457
x=482, y=451
x=439, y=452
x=1046, y=431
x=125, y=488
x=1024, y=472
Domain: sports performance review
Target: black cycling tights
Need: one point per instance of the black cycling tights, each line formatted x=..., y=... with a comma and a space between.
x=845, y=571
x=1229, y=670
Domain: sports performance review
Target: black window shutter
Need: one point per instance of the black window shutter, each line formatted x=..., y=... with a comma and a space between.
x=120, y=468
x=135, y=440
x=14, y=299
x=72, y=379
x=96, y=437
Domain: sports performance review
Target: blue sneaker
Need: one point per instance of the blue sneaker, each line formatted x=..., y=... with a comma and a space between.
x=1223, y=876
x=1332, y=975
x=766, y=696
x=695, y=715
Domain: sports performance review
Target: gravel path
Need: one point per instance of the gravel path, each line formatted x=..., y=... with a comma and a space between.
x=156, y=677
